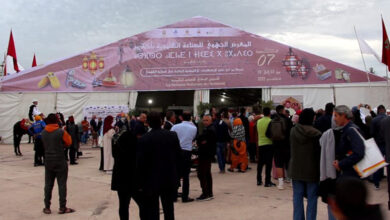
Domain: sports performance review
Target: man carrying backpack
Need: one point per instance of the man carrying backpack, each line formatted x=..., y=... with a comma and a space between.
x=279, y=132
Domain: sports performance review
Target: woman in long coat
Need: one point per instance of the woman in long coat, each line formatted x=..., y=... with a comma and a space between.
x=108, y=133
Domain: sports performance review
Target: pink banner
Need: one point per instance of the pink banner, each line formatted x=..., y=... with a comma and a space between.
x=193, y=54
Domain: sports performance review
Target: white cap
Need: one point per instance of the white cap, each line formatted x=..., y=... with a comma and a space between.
x=35, y=100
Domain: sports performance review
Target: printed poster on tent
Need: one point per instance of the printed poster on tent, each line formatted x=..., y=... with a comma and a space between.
x=104, y=111
x=292, y=103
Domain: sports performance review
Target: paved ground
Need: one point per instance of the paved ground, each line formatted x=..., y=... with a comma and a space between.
x=236, y=195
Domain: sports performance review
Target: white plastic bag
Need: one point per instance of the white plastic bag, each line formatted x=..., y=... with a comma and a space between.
x=100, y=141
x=372, y=161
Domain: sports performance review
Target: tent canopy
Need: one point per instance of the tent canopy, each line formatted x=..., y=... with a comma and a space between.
x=196, y=53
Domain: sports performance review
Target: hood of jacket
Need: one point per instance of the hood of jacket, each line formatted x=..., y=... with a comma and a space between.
x=51, y=127
x=305, y=131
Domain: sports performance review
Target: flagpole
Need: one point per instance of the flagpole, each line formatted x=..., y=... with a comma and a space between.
x=4, y=62
x=364, y=62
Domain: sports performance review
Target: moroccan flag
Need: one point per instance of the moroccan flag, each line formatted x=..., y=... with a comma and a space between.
x=11, y=61
x=34, y=63
x=385, y=47
x=12, y=52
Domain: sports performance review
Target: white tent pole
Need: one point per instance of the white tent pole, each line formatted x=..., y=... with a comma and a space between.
x=55, y=102
x=364, y=62
x=128, y=100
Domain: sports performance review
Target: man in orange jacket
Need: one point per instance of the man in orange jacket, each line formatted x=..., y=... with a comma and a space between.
x=54, y=141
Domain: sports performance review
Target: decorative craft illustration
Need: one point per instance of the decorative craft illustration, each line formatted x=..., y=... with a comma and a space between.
x=70, y=79
x=322, y=72
x=341, y=74
x=127, y=78
x=93, y=63
x=295, y=66
x=51, y=79
x=110, y=80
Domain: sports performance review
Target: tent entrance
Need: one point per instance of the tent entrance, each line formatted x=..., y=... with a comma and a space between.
x=163, y=101
x=235, y=98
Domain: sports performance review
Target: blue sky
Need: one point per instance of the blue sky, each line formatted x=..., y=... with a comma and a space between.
x=56, y=29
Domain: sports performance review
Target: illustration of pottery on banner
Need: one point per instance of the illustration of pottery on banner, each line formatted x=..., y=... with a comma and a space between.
x=341, y=74
x=110, y=80
x=127, y=78
x=92, y=63
x=322, y=72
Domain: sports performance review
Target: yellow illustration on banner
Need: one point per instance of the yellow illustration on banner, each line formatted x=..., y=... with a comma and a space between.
x=51, y=79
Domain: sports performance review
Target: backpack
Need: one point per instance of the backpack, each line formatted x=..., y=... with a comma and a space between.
x=277, y=129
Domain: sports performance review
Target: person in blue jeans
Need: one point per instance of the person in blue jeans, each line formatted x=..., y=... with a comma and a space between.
x=223, y=138
x=304, y=169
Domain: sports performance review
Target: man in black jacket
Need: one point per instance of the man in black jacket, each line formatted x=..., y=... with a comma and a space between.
x=124, y=151
x=386, y=130
x=170, y=120
x=350, y=148
x=324, y=122
x=376, y=131
x=207, y=144
x=158, y=160
x=281, y=142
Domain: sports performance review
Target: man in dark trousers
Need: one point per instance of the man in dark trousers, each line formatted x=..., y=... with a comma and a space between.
x=32, y=112
x=54, y=140
x=36, y=129
x=379, y=137
x=73, y=131
x=386, y=130
x=158, y=160
x=94, y=131
x=186, y=132
x=124, y=151
x=207, y=144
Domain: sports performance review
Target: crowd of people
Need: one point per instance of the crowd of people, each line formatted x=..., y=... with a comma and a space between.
x=151, y=158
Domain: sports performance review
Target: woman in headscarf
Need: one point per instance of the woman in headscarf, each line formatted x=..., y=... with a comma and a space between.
x=239, y=156
x=108, y=133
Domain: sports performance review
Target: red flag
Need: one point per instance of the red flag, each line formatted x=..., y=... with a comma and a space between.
x=34, y=63
x=12, y=52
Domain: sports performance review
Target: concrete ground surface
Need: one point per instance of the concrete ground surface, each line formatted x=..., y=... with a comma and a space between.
x=237, y=197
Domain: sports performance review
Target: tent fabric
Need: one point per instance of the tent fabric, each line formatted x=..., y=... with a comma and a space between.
x=312, y=97
x=266, y=94
x=200, y=96
x=352, y=96
x=15, y=106
x=193, y=54
x=133, y=95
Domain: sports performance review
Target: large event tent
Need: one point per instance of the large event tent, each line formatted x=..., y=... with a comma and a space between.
x=195, y=54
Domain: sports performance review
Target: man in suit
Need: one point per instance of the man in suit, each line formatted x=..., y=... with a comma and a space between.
x=207, y=145
x=158, y=160
x=170, y=120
